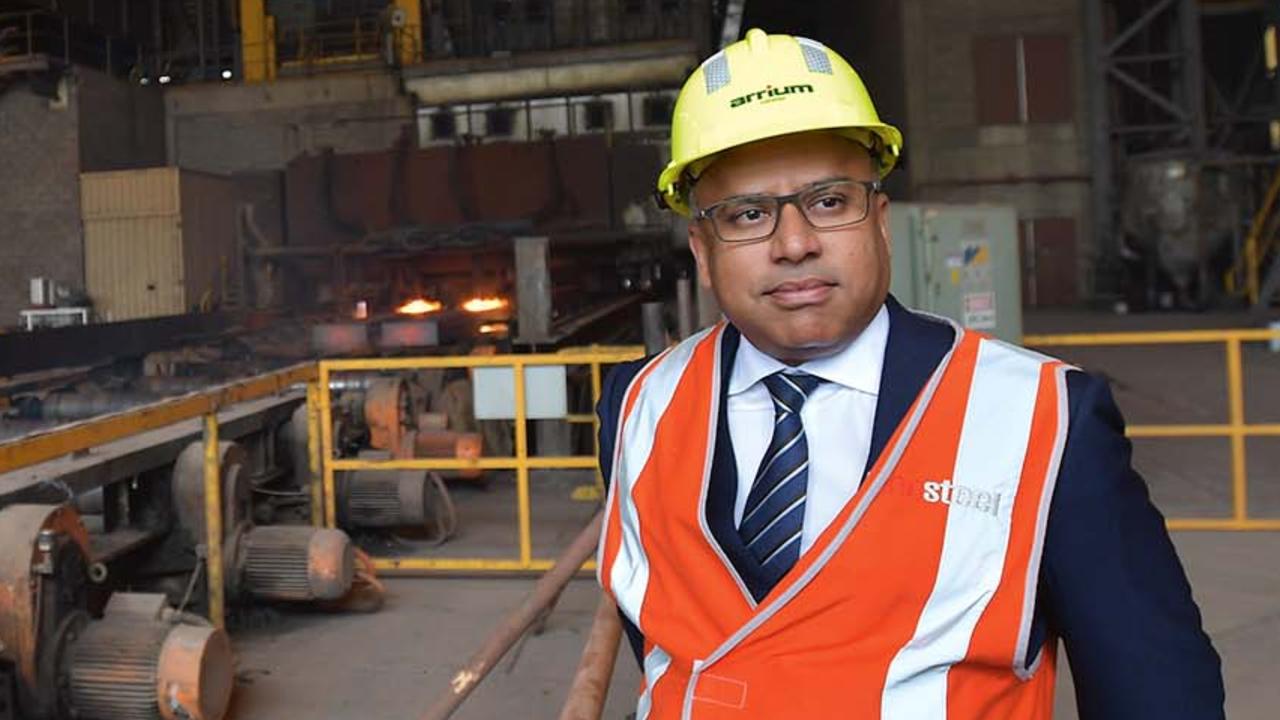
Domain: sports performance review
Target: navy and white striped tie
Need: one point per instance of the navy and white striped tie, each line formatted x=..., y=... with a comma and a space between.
x=774, y=513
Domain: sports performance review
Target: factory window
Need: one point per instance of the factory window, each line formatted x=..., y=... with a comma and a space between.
x=444, y=125
x=1022, y=79
x=598, y=114
x=657, y=110
x=499, y=122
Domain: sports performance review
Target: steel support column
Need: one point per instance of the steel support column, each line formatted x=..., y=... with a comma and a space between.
x=1101, y=156
x=254, y=50
x=533, y=290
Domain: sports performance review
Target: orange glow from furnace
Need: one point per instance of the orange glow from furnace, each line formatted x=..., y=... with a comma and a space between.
x=494, y=329
x=484, y=304
x=419, y=306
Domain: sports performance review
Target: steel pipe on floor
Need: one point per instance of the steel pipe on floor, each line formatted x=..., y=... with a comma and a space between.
x=590, y=687
x=517, y=623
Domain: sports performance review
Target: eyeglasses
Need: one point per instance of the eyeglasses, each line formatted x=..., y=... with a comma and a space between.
x=827, y=206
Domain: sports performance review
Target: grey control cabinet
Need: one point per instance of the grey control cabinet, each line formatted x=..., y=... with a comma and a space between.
x=961, y=262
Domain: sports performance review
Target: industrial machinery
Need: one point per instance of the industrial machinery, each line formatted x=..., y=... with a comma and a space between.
x=961, y=262
x=378, y=416
x=395, y=499
x=294, y=563
x=105, y=575
x=135, y=659
x=1177, y=217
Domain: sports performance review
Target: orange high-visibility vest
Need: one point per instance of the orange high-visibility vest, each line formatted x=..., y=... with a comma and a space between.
x=915, y=602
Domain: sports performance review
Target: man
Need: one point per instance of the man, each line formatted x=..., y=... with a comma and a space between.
x=830, y=506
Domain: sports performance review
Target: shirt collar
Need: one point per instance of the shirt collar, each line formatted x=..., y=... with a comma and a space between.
x=858, y=366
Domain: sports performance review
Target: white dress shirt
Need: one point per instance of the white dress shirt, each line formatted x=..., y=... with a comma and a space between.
x=838, y=418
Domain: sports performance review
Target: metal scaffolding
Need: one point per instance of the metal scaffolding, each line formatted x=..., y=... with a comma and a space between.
x=1152, y=95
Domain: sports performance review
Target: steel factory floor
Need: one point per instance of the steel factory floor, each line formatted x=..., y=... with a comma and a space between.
x=392, y=664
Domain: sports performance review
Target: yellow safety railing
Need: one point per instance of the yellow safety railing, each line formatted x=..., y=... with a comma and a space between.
x=205, y=405
x=1235, y=428
x=520, y=462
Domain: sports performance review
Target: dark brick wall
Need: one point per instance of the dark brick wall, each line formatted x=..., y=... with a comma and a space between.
x=39, y=194
x=121, y=123
x=958, y=153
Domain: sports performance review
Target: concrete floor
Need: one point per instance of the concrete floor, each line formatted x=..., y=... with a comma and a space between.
x=392, y=664
x=1164, y=384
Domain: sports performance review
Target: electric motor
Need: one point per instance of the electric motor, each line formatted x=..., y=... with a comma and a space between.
x=295, y=562
x=136, y=668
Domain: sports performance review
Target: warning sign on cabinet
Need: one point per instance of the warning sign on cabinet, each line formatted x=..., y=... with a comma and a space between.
x=980, y=310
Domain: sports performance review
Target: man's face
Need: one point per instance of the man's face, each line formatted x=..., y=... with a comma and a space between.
x=800, y=293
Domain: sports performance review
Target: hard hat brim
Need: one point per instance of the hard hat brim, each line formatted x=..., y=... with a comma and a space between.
x=674, y=185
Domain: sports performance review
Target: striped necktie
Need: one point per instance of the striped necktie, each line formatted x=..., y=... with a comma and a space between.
x=774, y=513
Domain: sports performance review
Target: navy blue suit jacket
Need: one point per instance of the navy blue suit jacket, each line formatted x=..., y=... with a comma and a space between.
x=1111, y=585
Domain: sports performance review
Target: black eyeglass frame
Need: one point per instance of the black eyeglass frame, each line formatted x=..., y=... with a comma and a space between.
x=872, y=187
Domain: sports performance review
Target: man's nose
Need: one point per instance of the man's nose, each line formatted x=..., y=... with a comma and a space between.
x=794, y=239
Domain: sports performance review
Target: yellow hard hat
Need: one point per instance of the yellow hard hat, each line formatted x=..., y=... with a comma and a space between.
x=761, y=87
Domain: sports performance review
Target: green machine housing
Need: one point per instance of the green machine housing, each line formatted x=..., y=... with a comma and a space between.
x=961, y=262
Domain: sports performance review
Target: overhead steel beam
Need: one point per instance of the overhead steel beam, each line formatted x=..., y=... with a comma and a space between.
x=552, y=74
x=24, y=352
x=1156, y=98
x=1144, y=20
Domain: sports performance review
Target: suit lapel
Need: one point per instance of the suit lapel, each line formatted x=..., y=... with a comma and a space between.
x=722, y=490
x=916, y=345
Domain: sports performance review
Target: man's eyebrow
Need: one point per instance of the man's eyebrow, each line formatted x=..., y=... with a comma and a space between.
x=805, y=188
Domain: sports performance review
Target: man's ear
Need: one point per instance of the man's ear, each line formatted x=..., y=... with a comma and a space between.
x=881, y=202
x=698, y=245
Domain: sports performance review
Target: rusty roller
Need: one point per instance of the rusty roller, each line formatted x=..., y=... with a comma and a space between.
x=388, y=414
x=132, y=668
x=133, y=663
x=294, y=563
x=188, y=488
x=45, y=558
x=451, y=444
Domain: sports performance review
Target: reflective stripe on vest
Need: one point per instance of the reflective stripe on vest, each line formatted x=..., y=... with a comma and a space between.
x=915, y=602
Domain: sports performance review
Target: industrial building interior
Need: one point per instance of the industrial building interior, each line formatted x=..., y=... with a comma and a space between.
x=305, y=305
